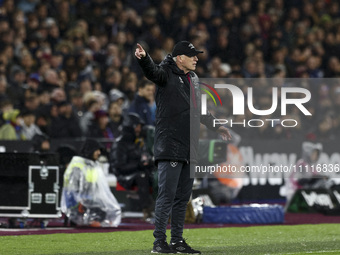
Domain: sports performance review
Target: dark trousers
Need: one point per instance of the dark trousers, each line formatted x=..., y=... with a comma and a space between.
x=174, y=190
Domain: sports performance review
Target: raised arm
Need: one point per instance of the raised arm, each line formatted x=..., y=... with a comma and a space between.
x=153, y=72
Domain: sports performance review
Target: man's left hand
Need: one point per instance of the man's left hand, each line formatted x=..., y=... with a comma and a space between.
x=224, y=132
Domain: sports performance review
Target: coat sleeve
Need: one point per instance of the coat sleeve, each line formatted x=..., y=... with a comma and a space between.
x=208, y=121
x=153, y=72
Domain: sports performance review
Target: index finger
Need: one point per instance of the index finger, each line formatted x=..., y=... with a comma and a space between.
x=139, y=46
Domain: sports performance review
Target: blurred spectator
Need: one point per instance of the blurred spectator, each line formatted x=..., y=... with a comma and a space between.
x=92, y=106
x=16, y=89
x=57, y=48
x=141, y=103
x=85, y=86
x=11, y=130
x=112, y=80
x=43, y=120
x=119, y=97
x=58, y=95
x=31, y=102
x=41, y=143
x=33, y=81
x=116, y=118
x=101, y=98
x=5, y=106
x=65, y=124
x=29, y=128
x=77, y=102
x=333, y=67
x=99, y=128
x=51, y=80
x=306, y=177
x=129, y=86
x=3, y=86
x=324, y=129
x=313, y=64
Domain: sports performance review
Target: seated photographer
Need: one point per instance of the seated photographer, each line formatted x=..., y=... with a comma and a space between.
x=86, y=198
x=306, y=175
x=131, y=162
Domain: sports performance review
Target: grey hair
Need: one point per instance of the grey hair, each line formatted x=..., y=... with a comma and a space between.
x=175, y=59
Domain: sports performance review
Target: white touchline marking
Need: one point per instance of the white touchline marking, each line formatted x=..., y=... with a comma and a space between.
x=292, y=253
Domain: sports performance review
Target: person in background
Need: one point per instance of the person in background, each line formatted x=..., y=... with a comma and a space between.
x=41, y=143
x=306, y=175
x=33, y=82
x=99, y=127
x=86, y=197
x=66, y=124
x=131, y=163
x=3, y=86
x=43, y=119
x=11, y=130
x=116, y=118
x=16, y=88
x=85, y=121
x=141, y=102
x=116, y=95
x=29, y=128
x=6, y=105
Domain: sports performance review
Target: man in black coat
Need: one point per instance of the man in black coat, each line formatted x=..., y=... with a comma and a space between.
x=176, y=138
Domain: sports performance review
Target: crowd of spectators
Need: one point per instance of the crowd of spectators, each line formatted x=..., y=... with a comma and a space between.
x=67, y=67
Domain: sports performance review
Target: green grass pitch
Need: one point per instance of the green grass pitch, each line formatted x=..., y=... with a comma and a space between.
x=299, y=239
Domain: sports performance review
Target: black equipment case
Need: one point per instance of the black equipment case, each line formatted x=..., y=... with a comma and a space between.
x=29, y=185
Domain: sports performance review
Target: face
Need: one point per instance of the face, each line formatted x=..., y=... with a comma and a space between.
x=33, y=84
x=45, y=98
x=3, y=84
x=102, y=121
x=19, y=77
x=147, y=92
x=115, y=110
x=62, y=109
x=85, y=86
x=96, y=154
x=138, y=130
x=187, y=63
x=29, y=120
x=45, y=145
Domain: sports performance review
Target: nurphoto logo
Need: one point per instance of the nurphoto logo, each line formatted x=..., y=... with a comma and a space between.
x=239, y=100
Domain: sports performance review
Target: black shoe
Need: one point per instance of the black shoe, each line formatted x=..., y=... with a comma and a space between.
x=161, y=247
x=182, y=247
